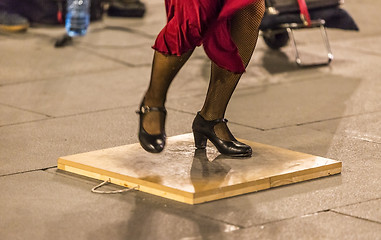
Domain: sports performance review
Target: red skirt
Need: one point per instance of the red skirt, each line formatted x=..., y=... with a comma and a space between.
x=191, y=23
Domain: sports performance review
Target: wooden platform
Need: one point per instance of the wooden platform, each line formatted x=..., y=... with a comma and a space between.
x=192, y=176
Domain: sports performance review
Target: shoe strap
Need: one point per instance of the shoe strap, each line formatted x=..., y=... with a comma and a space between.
x=219, y=120
x=145, y=109
x=215, y=121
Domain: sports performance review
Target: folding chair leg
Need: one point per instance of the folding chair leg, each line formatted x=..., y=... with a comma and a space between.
x=298, y=60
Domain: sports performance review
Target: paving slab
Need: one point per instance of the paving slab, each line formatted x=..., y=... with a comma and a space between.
x=41, y=205
x=369, y=45
x=317, y=226
x=46, y=31
x=79, y=93
x=281, y=105
x=364, y=127
x=104, y=37
x=342, y=94
x=138, y=55
x=270, y=66
x=369, y=210
x=330, y=139
x=35, y=58
x=354, y=62
x=296, y=138
x=366, y=15
x=38, y=144
x=11, y=115
x=98, y=91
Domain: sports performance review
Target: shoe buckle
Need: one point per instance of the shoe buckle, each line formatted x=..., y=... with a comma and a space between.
x=145, y=109
x=220, y=120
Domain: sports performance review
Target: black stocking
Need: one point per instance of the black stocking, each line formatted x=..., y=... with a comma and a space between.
x=164, y=69
x=244, y=32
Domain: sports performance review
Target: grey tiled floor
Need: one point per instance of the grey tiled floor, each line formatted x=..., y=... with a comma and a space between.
x=56, y=102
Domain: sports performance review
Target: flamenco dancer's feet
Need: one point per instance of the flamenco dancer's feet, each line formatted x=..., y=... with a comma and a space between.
x=151, y=133
x=226, y=144
x=152, y=111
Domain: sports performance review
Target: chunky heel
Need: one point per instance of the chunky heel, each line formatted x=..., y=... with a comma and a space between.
x=199, y=140
x=204, y=130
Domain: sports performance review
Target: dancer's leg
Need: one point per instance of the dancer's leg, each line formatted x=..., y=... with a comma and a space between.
x=164, y=69
x=244, y=32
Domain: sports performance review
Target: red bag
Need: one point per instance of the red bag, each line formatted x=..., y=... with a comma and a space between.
x=292, y=6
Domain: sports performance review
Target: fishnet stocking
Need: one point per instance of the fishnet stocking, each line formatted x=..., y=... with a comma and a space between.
x=244, y=32
x=164, y=69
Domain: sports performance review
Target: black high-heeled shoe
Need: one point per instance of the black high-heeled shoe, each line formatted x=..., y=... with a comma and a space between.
x=204, y=130
x=151, y=143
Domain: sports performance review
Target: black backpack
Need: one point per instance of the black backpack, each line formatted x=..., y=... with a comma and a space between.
x=49, y=12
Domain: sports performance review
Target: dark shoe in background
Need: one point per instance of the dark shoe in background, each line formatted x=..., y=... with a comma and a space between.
x=126, y=8
x=13, y=22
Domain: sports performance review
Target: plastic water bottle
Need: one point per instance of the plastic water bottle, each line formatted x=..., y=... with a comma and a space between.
x=77, y=17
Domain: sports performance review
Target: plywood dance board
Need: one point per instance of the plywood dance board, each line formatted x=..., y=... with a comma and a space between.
x=192, y=176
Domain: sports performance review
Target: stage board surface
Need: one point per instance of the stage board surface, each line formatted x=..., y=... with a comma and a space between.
x=192, y=176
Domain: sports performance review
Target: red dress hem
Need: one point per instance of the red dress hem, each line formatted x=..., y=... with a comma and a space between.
x=191, y=23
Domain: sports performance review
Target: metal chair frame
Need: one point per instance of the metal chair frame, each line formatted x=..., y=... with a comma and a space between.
x=290, y=27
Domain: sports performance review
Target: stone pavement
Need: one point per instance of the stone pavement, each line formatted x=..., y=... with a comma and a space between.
x=57, y=102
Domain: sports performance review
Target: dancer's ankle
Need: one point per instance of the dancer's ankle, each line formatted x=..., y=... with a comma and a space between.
x=153, y=101
x=209, y=116
x=220, y=129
